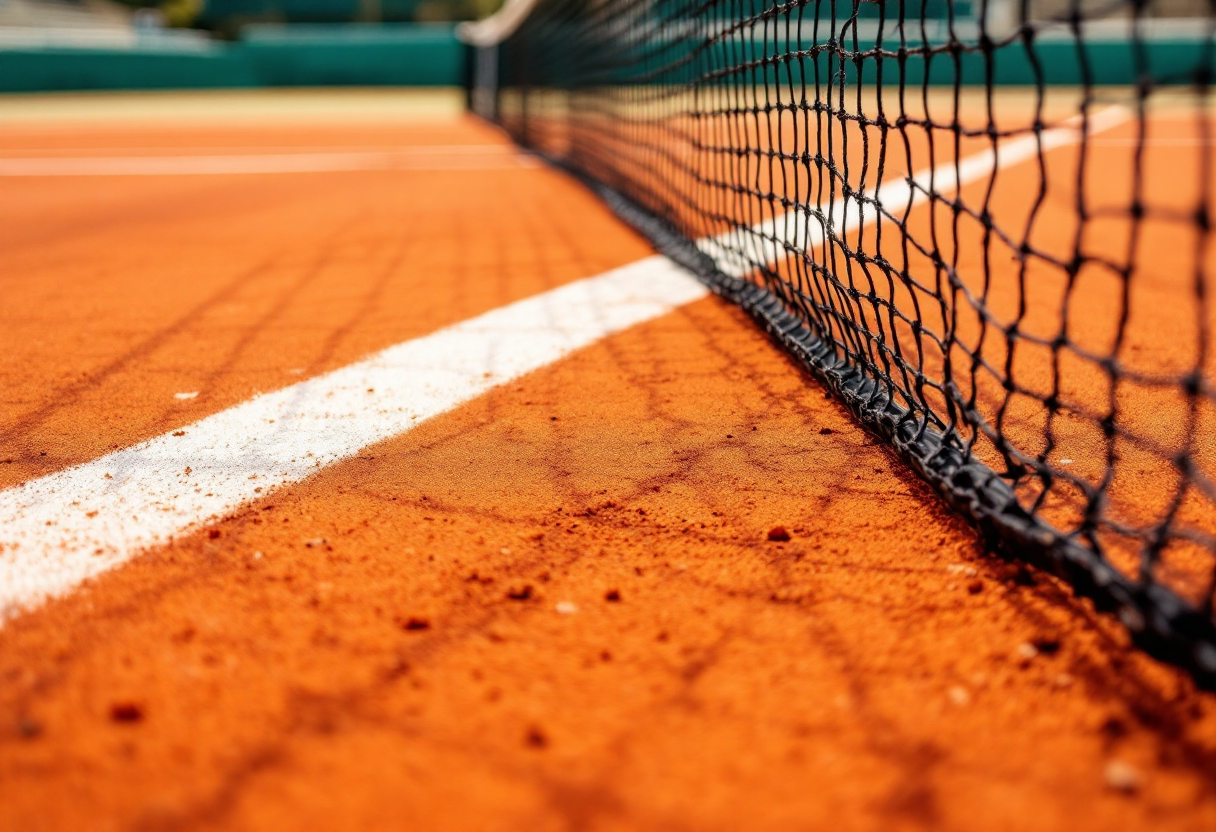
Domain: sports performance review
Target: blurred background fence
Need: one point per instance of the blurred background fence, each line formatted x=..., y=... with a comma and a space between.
x=48, y=45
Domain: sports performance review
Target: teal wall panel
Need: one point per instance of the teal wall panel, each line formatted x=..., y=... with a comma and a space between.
x=302, y=55
x=50, y=69
x=430, y=55
x=402, y=55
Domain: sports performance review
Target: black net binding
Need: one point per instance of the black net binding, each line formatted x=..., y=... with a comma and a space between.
x=985, y=227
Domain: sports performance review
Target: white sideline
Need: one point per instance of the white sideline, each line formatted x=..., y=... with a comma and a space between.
x=64, y=528
x=262, y=163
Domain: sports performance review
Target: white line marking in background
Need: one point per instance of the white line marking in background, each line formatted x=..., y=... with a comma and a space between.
x=61, y=529
x=246, y=150
x=798, y=230
x=261, y=163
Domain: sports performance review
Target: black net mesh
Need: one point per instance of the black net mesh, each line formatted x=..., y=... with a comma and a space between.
x=985, y=227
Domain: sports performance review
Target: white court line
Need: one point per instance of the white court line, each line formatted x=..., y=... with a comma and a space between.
x=1133, y=141
x=260, y=163
x=798, y=230
x=61, y=529
x=246, y=150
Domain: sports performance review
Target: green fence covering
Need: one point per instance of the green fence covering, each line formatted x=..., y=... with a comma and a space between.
x=423, y=55
x=429, y=55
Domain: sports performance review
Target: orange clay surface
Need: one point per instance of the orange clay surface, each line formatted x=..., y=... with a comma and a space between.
x=877, y=671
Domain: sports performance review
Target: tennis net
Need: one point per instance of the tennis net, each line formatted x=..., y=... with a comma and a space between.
x=985, y=227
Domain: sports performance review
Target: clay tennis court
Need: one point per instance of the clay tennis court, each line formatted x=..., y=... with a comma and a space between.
x=661, y=582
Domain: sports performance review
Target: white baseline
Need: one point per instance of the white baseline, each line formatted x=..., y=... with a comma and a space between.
x=495, y=158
